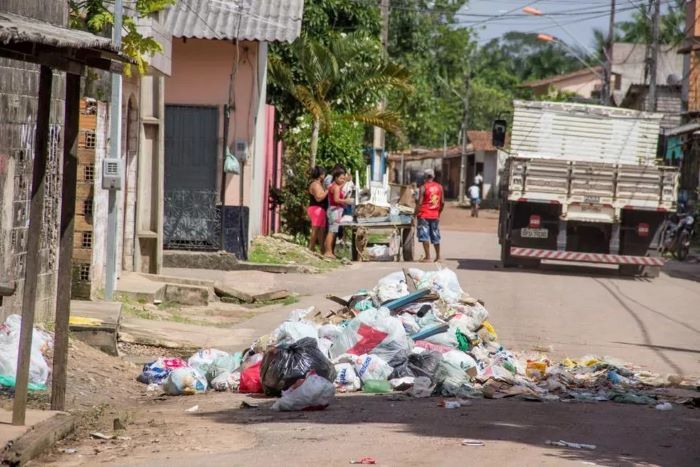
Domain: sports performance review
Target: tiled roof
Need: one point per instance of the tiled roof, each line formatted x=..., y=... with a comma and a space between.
x=481, y=140
x=253, y=20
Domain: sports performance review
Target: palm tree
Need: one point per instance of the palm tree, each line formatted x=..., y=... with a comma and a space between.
x=339, y=80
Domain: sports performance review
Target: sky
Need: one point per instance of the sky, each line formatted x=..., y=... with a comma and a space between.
x=576, y=18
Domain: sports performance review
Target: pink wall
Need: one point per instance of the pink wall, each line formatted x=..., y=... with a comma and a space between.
x=201, y=71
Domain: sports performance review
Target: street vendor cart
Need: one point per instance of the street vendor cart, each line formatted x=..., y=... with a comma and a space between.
x=403, y=233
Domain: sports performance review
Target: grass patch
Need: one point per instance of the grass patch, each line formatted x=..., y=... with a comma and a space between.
x=271, y=250
x=138, y=311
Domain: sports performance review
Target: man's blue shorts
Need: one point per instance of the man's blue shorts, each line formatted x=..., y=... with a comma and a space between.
x=429, y=230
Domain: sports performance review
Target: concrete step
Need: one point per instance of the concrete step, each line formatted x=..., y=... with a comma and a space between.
x=96, y=324
x=134, y=287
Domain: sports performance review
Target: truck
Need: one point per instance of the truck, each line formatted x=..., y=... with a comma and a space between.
x=582, y=184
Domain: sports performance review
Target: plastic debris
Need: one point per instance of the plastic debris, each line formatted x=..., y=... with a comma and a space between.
x=664, y=406
x=568, y=444
x=194, y=408
x=9, y=347
x=283, y=365
x=184, y=381
x=311, y=393
x=365, y=461
x=472, y=442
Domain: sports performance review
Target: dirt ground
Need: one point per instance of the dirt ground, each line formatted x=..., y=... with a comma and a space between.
x=652, y=323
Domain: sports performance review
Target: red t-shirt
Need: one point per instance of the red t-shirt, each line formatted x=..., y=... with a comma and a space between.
x=432, y=200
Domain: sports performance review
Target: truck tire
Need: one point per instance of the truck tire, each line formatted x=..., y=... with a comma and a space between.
x=507, y=260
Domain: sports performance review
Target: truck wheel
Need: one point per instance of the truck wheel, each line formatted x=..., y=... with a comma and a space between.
x=506, y=259
x=651, y=272
x=629, y=270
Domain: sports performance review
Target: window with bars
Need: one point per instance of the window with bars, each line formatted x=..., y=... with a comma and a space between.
x=87, y=240
x=89, y=139
x=84, y=273
x=89, y=173
x=87, y=207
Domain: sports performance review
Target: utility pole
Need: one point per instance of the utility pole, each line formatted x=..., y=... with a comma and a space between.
x=606, y=97
x=115, y=142
x=465, y=127
x=379, y=140
x=651, y=105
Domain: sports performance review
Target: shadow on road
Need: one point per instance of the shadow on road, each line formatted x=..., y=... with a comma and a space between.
x=623, y=434
x=661, y=347
x=476, y=264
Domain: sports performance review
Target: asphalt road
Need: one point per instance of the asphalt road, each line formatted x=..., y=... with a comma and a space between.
x=653, y=323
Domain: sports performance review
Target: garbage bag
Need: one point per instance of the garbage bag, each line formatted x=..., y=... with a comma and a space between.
x=372, y=331
x=290, y=332
x=422, y=387
x=418, y=364
x=202, y=359
x=469, y=318
x=371, y=367
x=443, y=282
x=430, y=346
x=158, y=370
x=250, y=379
x=311, y=393
x=455, y=370
x=9, y=347
x=283, y=365
x=184, y=381
x=346, y=378
x=299, y=314
x=391, y=287
x=226, y=381
x=224, y=364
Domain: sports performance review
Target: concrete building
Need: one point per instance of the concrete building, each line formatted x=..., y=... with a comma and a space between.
x=219, y=61
x=486, y=160
x=18, y=118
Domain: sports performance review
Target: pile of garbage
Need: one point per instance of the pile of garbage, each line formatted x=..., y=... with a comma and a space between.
x=416, y=331
x=39, y=370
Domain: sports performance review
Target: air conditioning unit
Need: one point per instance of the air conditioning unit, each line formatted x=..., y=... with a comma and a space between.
x=112, y=172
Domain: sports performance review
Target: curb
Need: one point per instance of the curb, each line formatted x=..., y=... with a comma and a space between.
x=38, y=439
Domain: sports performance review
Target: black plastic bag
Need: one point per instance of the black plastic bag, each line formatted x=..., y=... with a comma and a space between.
x=417, y=364
x=284, y=365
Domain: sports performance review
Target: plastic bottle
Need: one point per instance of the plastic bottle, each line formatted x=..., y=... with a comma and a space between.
x=376, y=386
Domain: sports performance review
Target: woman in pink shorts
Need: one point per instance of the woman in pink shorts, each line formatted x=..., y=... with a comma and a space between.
x=317, y=207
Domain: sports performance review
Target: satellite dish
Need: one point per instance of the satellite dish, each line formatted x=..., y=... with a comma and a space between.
x=673, y=80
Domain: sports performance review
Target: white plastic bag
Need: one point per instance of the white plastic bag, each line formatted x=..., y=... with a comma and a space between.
x=443, y=282
x=299, y=314
x=372, y=367
x=204, y=358
x=312, y=392
x=346, y=379
x=469, y=317
x=9, y=347
x=184, y=381
x=391, y=287
x=290, y=332
x=372, y=331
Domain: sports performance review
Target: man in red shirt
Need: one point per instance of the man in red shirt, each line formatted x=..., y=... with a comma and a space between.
x=428, y=209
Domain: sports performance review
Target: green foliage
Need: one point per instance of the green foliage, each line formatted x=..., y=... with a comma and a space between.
x=671, y=25
x=95, y=16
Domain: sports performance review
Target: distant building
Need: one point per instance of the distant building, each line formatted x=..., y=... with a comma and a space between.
x=668, y=102
x=586, y=83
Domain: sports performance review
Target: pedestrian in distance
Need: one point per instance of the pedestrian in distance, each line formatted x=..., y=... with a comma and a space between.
x=474, y=198
x=336, y=206
x=430, y=204
x=318, y=202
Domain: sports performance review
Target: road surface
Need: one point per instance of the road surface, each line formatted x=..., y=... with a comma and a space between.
x=653, y=323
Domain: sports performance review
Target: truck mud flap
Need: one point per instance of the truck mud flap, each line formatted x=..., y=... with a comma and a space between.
x=577, y=256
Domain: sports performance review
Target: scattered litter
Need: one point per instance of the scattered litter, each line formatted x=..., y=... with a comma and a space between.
x=98, y=435
x=9, y=346
x=194, y=408
x=123, y=438
x=365, y=461
x=450, y=404
x=68, y=450
x=568, y=444
x=249, y=405
x=472, y=442
x=664, y=406
x=415, y=333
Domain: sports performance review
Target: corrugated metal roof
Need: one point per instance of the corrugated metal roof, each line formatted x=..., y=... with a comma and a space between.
x=253, y=20
x=16, y=28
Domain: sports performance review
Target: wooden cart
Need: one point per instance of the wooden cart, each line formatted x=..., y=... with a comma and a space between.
x=406, y=237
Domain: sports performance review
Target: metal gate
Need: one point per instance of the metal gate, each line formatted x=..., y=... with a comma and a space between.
x=192, y=219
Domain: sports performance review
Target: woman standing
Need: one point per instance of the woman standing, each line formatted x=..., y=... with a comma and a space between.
x=317, y=207
x=336, y=206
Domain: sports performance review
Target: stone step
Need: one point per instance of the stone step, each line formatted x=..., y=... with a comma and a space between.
x=96, y=324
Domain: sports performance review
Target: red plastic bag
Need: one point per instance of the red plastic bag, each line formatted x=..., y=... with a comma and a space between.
x=250, y=379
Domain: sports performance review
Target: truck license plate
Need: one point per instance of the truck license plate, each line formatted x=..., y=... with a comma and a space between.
x=591, y=199
x=534, y=233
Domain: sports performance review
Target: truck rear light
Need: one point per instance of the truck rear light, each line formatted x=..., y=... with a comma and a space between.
x=535, y=221
x=643, y=229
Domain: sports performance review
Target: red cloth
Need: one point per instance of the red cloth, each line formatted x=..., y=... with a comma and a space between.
x=432, y=201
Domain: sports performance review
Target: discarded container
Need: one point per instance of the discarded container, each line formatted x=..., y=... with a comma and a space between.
x=376, y=386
